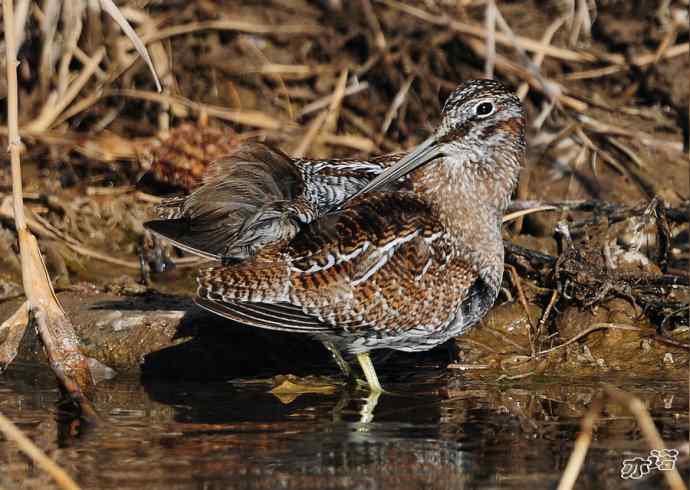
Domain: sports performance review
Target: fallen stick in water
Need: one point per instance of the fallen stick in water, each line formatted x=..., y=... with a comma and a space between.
x=13, y=433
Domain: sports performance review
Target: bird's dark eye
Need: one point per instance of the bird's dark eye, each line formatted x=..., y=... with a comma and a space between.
x=484, y=109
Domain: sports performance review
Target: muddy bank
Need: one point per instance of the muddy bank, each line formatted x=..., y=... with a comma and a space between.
x=166, y=336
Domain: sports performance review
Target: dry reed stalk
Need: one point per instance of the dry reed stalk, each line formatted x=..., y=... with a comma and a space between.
x=644, y=138
x=490, y=23
x=523, y=183
x=51, y=112
x=71, y=21
x=326, y=120
x=524, y=43
x=581, y=22
x=540, y=55
x=636, y=407
x=353, y=141
x=13, y=433
x=525, y=306
x=639, y=61
x=43, y=229
x=324, y=102
x=524, y=212
x=112, y=9
x=277, y=77
x=37, y=224
x=582, y=442
x=49, y=25
x=233, y=25
x=551, y=89
x=331, y=123
x=289, y=71
x=310, y=135
x=55, y=329
x=397, y=103
x=542, y=84
x=87, y=252
x=58, y=101
x=666, y=43
x=15, y=327
x=374, y=24
x=160, y=59
x=645, y=183
x=251, y=118
x=21, y=14
x=594, y=328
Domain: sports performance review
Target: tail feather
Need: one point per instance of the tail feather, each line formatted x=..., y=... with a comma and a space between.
x=239, y=208
x=180, y=233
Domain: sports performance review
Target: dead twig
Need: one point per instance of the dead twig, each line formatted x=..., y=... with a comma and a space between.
x=614, y=212
x=582, y=442
x=246, y=117
x=233, y=25
x=87, y=252
x=525, y=306
x=524, y=43
x=524, y=212
x=45, y=230
x=112, y=9
x=540, y=55
x=51, y=112
x=331, y=122
x=547, y=312
x=374, y=24
x=13, y=433
x=310, y=135
x=490, y=23
x=398, y=101
x=324, y=102
x=604, y=326
x=636, y=407
x=326, y=119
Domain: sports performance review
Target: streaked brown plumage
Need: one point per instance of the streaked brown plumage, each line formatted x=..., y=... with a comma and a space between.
x=257, y=196
x=400, y=253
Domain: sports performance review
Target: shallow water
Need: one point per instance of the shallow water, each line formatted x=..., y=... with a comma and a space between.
x=452, y=433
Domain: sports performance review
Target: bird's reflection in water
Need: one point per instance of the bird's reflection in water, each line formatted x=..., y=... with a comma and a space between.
x=289, y=389
x=367, y=411
x=239, y=435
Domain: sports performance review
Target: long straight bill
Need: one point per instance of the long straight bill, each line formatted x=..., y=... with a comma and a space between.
x=425, y=152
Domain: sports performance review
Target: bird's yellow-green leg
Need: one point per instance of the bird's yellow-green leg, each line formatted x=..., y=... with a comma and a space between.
x=369, y=372
x=344, y=366
x=367, y=412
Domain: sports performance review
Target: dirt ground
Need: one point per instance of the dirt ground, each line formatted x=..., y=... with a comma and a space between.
x=606, y=91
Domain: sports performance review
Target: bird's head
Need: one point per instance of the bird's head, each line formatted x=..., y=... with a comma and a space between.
x=480, y=117
x=480, y=138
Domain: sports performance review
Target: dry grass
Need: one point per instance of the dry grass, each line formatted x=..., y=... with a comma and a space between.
x=636, y=408
x=334, y=79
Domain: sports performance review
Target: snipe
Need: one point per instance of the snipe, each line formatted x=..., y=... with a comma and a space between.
x=399, y=252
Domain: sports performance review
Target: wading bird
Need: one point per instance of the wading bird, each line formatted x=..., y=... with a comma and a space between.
x=398, y=252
